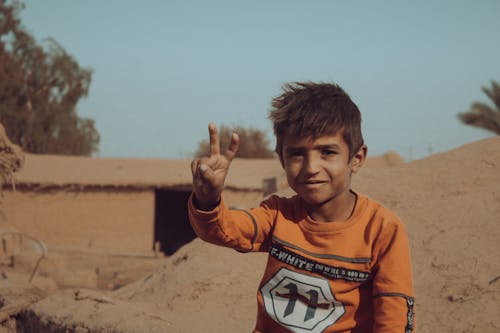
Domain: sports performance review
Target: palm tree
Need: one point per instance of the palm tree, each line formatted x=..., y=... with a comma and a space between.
x=483, y=115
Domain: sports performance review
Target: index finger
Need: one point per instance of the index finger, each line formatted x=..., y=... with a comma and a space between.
x=214, y=139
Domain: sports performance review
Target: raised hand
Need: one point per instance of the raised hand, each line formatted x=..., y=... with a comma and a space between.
x=209, y=173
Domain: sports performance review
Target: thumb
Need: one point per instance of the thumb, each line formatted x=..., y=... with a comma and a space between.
x=205, y=171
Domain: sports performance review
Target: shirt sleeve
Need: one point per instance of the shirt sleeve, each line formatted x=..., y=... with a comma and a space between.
x=242, y=230
x=393, y=298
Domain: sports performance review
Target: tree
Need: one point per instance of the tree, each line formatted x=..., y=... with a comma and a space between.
x=39, y=90
x=253, y=142
x=483, y=115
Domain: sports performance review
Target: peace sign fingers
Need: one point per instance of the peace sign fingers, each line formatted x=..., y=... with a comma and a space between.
x=215, y=143
x=214, y=140
x=209, y=173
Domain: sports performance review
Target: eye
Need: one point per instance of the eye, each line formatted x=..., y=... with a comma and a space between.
x=294, y=153
x=329, y=152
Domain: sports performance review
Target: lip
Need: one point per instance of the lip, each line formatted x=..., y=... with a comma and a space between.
x=312, y=182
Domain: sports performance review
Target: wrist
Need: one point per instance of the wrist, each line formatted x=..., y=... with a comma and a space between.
x=205, y=205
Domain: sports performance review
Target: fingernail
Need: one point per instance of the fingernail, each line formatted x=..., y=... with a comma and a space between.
x=203, y=167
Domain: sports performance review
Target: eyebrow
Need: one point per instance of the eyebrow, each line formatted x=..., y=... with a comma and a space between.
x=325, y=146
x=329, y=146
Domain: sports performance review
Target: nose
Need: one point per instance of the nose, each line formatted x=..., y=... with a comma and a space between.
x=311, y=164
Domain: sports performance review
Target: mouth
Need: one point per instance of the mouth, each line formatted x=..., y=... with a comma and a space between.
x=312, y=182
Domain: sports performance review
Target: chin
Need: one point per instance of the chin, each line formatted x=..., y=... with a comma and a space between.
x=314, y=200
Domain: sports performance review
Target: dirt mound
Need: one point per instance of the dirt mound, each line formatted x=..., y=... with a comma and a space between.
x=387, y=160
x=450, y=203
x=217, y=284
x=82, y=310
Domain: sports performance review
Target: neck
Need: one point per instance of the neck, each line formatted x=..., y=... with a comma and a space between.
x=338, y=209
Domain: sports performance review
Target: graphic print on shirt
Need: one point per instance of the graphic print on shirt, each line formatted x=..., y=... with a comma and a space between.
x=300, y=302
x=331, y=272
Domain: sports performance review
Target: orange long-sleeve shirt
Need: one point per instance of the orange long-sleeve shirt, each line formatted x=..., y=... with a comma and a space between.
x=351, y=276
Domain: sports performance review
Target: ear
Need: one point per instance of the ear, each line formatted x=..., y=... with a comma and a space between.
x=359, y=159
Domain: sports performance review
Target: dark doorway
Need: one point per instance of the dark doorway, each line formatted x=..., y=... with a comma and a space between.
x=172, y=228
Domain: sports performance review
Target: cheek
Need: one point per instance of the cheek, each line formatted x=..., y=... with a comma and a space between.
x=291, y=171
x=339, y=170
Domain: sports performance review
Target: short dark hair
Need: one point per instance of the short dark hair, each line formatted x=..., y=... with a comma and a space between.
x=309, y=109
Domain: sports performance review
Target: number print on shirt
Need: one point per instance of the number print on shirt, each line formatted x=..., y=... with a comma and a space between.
x=300, y=302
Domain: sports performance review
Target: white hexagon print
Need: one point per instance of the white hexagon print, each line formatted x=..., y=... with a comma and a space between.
x=300, y=302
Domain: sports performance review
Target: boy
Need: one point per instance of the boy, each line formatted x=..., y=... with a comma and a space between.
x=338, y=261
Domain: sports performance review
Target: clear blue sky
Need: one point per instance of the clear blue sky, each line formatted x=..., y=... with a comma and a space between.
x=164, y=69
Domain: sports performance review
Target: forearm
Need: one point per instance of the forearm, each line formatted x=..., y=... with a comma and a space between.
x=394, y=313
x=222, y=226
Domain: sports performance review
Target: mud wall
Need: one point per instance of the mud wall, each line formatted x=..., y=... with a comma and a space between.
x=127, y=221
x=100, y=220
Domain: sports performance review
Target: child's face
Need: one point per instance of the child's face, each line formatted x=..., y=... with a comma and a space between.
x=319, y=170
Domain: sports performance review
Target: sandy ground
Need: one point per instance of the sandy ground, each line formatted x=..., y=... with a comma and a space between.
x=450, y=203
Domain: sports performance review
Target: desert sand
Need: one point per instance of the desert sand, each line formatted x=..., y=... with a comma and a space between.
x=449, y=202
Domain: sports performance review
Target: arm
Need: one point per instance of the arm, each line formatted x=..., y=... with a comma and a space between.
x=393, y=298
x=243, y=230
x=211, y=220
